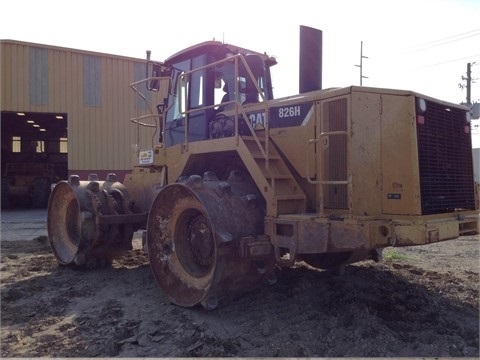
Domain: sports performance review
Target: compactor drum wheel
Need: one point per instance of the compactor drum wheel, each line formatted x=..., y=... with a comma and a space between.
x=77, y=230
x=194, y=233
x=63, y=222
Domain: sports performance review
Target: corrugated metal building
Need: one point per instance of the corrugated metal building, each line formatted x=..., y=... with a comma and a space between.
x=70, y=107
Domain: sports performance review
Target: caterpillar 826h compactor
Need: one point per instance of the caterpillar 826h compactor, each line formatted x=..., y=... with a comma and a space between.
x=237, y=184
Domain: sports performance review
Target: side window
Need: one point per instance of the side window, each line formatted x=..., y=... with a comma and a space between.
x=180, y=96
x=224, y=89
x=262, y=86
x=220, y=91
x=197, y=92
x=178, y=91
x=195, y=85
x=248, y=85
x=242, y=86
x=189, y=89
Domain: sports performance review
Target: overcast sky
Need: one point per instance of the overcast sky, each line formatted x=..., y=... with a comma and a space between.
x=419, y=45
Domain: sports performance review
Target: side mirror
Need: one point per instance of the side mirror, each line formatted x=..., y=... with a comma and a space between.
x=155, y=71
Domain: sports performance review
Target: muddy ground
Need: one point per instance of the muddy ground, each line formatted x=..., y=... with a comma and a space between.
x=420, y=301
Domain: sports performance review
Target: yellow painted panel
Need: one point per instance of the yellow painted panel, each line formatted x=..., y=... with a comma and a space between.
x=6, y=75
x=401, y=184
x=365, y=153
x=16, y=77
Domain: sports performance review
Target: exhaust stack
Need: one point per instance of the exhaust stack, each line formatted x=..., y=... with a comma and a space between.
x=310, y=63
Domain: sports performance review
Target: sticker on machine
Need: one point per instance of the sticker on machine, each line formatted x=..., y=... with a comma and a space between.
x=394, y=196
x=145, y=157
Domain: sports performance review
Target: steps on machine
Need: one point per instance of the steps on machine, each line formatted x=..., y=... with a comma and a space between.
x=284, y=195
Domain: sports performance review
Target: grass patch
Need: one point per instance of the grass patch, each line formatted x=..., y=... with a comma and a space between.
x=394, y=255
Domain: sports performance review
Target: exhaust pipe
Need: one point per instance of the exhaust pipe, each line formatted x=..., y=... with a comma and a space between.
x=310, y=78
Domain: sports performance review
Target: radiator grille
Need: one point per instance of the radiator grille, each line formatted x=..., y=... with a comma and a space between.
x=445, y=160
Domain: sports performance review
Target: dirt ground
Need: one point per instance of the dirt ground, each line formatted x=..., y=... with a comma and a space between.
x=420, y=301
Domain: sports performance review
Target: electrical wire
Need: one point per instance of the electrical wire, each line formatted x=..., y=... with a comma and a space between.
x=444, y=41
x=448, y=61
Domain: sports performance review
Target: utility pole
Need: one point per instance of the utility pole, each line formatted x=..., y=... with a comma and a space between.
x=469, y=84
x=361, y=64
x=474, y=107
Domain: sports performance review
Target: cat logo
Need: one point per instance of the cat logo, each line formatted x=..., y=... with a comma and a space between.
x=257, y=120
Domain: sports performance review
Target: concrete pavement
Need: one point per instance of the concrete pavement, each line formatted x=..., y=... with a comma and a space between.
x=23, y=224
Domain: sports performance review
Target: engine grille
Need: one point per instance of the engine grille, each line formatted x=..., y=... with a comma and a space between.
x=445, y=160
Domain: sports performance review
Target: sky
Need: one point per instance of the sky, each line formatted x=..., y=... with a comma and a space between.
x=418, y=45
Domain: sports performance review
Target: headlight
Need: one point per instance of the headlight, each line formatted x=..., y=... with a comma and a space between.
x=422, y=105
x=468, y=116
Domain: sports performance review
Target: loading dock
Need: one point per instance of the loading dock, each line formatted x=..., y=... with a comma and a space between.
x=34, y=156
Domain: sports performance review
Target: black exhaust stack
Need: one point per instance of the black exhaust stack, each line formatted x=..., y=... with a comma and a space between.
x=310, y=59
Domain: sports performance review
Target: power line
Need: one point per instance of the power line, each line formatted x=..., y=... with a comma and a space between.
x=450, y=37
x=448, y=42
x=447, y=62
x=444, y=41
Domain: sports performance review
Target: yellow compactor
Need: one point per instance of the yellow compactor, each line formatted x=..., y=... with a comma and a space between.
x=237, y=183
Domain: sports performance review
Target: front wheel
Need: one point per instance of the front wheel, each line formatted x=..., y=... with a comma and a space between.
x=193, y=235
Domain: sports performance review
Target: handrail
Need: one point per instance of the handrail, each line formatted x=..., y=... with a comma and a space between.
x=310, y=180
x=132, y=86
x=136, y=120
x=152, y=114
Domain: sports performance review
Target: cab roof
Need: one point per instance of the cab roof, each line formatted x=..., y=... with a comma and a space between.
x=216, y=47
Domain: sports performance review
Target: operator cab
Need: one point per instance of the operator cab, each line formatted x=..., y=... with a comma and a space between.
x=208, y=79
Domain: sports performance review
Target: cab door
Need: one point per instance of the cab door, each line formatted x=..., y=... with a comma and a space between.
x=186, y=114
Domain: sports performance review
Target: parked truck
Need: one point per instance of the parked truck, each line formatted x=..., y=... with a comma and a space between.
x=237, y=183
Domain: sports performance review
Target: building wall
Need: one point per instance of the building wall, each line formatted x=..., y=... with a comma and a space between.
x=93, y=89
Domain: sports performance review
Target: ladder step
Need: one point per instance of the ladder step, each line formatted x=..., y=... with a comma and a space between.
x=285, y=194
x=279, y=176
x=290, y=197
x=259, y=155
x=248, y=138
